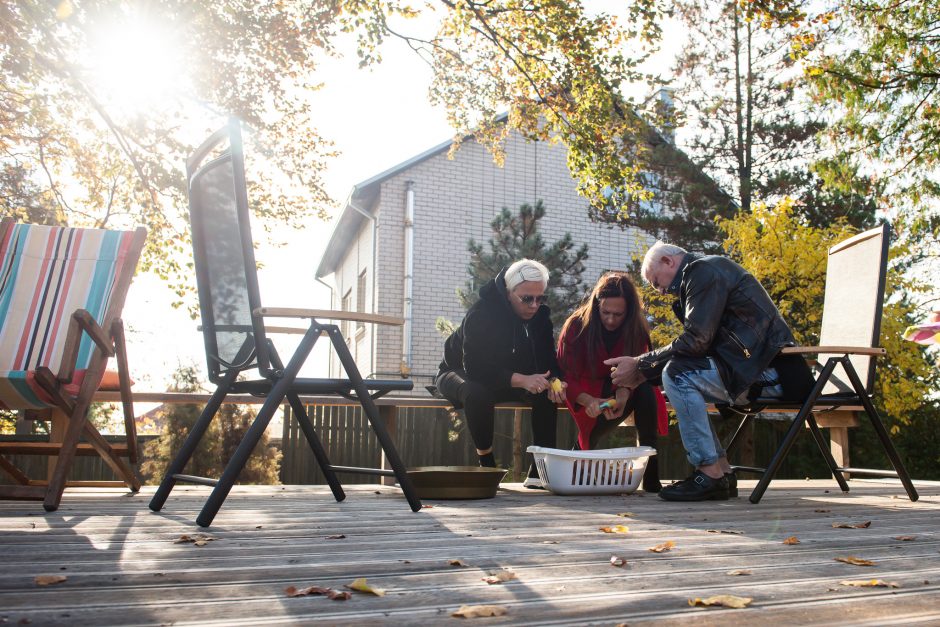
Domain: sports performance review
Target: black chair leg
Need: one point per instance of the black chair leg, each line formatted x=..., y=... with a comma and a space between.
x=192, y=441
x=372, y=413
x=826, y=453
x=303, y=419
x=256, y=430
x=879, y=426
x=792, y=434
x=316, y=446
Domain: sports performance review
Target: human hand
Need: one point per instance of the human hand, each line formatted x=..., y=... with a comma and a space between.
x=623, y=372
x=592, y=406
x=556, y=391
x=535, y=383
x=621, y=396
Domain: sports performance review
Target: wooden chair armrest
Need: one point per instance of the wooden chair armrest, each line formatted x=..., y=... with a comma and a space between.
x=80, y=321
x=247, y=328
x=845, y=350
x=327, y=314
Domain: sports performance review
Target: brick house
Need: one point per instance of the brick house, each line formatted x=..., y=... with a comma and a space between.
x=449, y=201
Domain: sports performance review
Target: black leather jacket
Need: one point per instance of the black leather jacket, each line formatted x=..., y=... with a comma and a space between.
x=493, y=342
x=727, y=315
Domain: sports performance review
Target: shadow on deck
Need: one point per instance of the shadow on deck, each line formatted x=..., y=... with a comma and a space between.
x=123, y=565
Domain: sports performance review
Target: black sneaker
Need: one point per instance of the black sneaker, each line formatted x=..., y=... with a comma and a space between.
x=698, y=487
x=732, y=484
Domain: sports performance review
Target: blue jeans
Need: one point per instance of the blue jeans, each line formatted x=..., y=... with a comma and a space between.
x=692, y=383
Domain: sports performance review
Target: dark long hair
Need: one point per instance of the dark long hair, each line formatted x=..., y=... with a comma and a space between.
x=586, y=328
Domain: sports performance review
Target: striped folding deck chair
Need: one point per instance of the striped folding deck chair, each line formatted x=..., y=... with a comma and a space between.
x=61, y=294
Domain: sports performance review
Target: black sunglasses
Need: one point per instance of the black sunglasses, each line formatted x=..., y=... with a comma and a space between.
x=528, y=300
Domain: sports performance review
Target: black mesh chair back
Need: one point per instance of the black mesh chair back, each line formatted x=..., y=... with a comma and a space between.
x=224, y=258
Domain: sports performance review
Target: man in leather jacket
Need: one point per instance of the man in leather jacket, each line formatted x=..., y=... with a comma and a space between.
x=727, y=353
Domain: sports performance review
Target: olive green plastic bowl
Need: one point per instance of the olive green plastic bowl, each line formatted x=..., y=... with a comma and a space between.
x=456, y=482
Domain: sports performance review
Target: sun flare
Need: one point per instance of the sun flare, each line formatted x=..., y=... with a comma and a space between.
x=135, y=63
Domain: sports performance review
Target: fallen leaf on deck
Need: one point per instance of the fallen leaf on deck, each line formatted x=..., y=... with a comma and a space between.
x=855, y=561
x=905, y=538
x=724, y=600
x=617, y=561
x=822, y=511
x=870, y=583
x=728, y=531
x=48, y=580
x=338, y=536
x=626, y=514
x=668, y=545
x=426, y=506
x=792, y=540
x=199, y=539
x=738, y=573
x=456, y=563
x=861, y=525
x=330, y=593
x=360, y=585
x=478, y=611
x=501, y=577
x=616, y=529
x=293, y=591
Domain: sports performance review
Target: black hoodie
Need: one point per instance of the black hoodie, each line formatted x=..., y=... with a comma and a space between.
x=493, y=342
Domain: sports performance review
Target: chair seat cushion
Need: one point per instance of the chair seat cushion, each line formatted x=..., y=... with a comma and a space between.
x=20, y=390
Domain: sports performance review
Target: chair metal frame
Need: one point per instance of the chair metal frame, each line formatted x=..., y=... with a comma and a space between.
x=277, y=382
x=838, y=385
x=69, y=411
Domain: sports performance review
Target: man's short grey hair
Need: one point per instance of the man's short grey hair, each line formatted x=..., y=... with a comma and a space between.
x=526, y=270
x=656, y=251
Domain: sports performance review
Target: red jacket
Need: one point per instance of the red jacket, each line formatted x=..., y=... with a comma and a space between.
x=580, y=379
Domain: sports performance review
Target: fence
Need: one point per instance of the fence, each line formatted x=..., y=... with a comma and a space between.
x=431, y=436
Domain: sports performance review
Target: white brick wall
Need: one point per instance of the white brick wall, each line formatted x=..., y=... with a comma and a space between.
x=456, y=200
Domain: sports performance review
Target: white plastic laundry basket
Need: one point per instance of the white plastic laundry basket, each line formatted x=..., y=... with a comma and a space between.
x=604, y=471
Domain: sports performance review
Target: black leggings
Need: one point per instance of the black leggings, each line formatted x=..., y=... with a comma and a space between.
x=478, y=402
x=642, y=404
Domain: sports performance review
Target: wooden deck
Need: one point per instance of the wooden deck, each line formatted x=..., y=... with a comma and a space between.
x=123, y=565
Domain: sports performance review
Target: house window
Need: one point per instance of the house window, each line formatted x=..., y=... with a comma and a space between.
x=346, y=306
x=361, y=301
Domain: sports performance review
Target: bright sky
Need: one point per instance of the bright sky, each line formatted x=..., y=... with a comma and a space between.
x=377, y=119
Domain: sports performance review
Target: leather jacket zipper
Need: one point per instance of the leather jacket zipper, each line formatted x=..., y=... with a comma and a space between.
x=734, y=338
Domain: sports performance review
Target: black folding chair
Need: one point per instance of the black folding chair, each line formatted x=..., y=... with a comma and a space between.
x=236, y=338
x=849, y=337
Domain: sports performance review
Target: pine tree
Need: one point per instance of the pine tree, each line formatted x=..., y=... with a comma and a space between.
x=516, y=237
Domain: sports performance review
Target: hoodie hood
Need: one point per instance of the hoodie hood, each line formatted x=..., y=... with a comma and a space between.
x=494, y=290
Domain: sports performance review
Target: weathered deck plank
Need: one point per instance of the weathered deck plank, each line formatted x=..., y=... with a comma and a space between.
x=123, y=566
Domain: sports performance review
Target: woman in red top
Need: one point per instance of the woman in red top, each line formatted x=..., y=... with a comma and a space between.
x=610, y=324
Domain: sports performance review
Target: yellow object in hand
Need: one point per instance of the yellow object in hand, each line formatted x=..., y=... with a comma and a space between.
x=609, y=403
x=556, y=385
